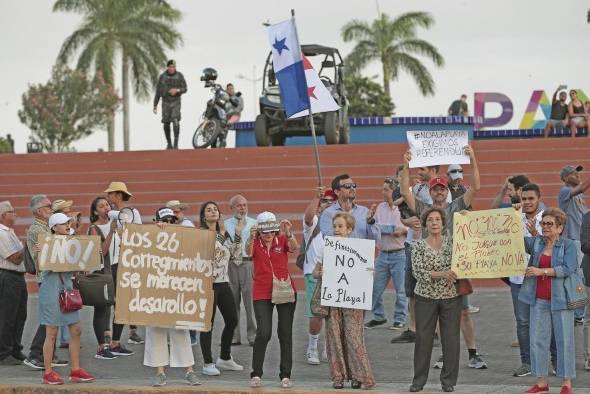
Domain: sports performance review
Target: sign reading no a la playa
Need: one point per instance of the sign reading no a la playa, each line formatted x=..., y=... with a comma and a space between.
x=64, y=253
x=347, y=278
x=431, y=148
x=488, y=244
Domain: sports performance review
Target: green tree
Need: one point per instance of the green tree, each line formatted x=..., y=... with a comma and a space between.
x=67, y=108
x=366, y=98
x=139, y=31
x=5, y=146
x=394, y=43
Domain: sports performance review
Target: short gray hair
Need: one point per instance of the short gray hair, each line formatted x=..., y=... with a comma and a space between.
x=234, y=199
x=36, y=201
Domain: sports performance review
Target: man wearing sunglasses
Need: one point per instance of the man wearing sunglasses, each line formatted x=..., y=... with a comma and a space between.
x=345, y=188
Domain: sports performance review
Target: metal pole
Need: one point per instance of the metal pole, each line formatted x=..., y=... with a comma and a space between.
x=311, y=125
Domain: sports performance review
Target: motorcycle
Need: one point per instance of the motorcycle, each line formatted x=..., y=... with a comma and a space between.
x=214, y=125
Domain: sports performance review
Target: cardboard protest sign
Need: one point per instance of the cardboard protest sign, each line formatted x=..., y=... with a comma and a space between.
x=165, y=278
x=430, y=148
x=488, y=244
x=347, y=278
x=65, y=253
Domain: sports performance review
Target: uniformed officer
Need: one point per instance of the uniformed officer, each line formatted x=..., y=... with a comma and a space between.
x=171, y=85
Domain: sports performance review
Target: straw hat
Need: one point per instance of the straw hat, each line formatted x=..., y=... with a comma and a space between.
x=175, y=204
x=60, y=205
x=118, y=187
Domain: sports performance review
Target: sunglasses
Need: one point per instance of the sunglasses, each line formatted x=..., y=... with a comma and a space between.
x=547, y=224
x=348, y=186
x=326, y=201
x=455, y=171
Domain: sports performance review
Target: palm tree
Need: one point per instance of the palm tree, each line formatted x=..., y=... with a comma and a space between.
x=393, y=43
x=138, y=31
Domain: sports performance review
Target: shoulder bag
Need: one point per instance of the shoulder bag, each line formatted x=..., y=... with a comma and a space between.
x=97, y=288
x=69, y=299
x=300, y=261
x=575, y=287
x=282, y=291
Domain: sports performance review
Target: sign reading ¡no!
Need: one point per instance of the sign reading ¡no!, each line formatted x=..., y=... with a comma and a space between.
x=64, y=253
x=165, y=277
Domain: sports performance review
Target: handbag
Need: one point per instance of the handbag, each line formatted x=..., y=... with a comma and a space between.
x=69, y=299
x=575, y=290
x=282, y=291
x=98, y=288
x=317, y=309
x=464, y=287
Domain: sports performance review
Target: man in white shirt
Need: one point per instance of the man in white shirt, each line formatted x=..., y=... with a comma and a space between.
x=314, y=245
x=13, y=289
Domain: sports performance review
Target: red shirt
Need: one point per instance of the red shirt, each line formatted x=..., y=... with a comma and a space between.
x=544, y=282
x=262, y=258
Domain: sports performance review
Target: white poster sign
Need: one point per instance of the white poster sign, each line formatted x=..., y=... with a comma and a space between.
x=347, y=279
x=431, y=148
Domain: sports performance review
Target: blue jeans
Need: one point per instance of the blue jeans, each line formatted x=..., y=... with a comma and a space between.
x=543, y=321
x=390, y=265
x=521, y=314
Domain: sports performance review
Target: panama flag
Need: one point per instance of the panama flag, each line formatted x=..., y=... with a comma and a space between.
x=291, y=69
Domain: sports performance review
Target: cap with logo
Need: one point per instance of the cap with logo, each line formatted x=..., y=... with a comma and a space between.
x=58, y=218
x=438, y=181
x=455, y=171
x=118, y=187
x=568, y=170
x=267, y=222
x=165, y=214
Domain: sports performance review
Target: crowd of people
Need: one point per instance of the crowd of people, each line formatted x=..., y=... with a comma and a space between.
x=413, y=230
x=572, y=115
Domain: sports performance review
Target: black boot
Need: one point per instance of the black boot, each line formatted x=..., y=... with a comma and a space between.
x=167, y=134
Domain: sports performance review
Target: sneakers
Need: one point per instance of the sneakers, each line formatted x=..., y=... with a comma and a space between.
x=313, y=357
x=523, y=370
x=134, y=339
x=405, y=337
x=56, y=362
x=105, y=354
x=211, y=370
x=565, y=390
x=119, y=350
x=159, y=380
x=436, y=341
x=325, y=355
x=439, y=363
x=447, y=388
x=255, y=382
x=52, y=378
x=80, y=376
x=537, y=389
x=578, y=321
x=473, y=309
x=477, y=362
x=229, y=365
x=192, y=379
x=34, y=363
x=286, y=383
x=9, y=360
x=375, y=323
x=397, y=326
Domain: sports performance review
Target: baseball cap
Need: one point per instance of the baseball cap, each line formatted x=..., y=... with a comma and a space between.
x=437, y=181
x=329, y=193
x=569, y=169
x=171, y=62
x=165, y=214
x=267, y=222
x=453, y=172
x=58, y=218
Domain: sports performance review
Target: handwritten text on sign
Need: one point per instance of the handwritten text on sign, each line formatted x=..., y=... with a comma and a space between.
x=347, y=279
x=64, y=253
x=164, y=277
x=430, y=148
x=488, y=244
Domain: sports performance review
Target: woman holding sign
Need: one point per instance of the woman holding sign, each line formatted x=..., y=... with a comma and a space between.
x=553, y=259
x=436, y=301
x=210, y=219
x=347, y=354
x=52, y=317
x=269, y=246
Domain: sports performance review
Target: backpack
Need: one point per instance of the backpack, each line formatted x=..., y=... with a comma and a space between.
x=303, y=248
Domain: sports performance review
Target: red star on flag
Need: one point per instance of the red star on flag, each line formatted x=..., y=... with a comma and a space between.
x=310, y=92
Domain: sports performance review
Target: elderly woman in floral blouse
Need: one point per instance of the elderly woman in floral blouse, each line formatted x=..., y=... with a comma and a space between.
x=436, y=301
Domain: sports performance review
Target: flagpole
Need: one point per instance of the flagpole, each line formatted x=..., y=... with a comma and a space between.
x=311, y=124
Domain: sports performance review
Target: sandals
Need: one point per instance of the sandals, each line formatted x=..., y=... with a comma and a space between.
x=338, y=385
x=355, y=384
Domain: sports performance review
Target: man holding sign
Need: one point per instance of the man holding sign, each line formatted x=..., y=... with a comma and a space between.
x=439, y=192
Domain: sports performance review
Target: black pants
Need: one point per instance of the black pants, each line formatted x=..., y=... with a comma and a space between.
x=36, y=350
x=263, y=313
x=448, y=313
x=117, y=328
x=13, y=312
x=101, y=322
x=223, y=299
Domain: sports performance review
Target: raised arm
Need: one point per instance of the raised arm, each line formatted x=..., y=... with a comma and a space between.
x=312, y=207
x=405, y=191
x=501, y=193
x=581, y=188
x=475, y=180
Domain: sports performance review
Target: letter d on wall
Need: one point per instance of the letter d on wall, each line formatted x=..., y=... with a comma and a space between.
x=480, y=101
